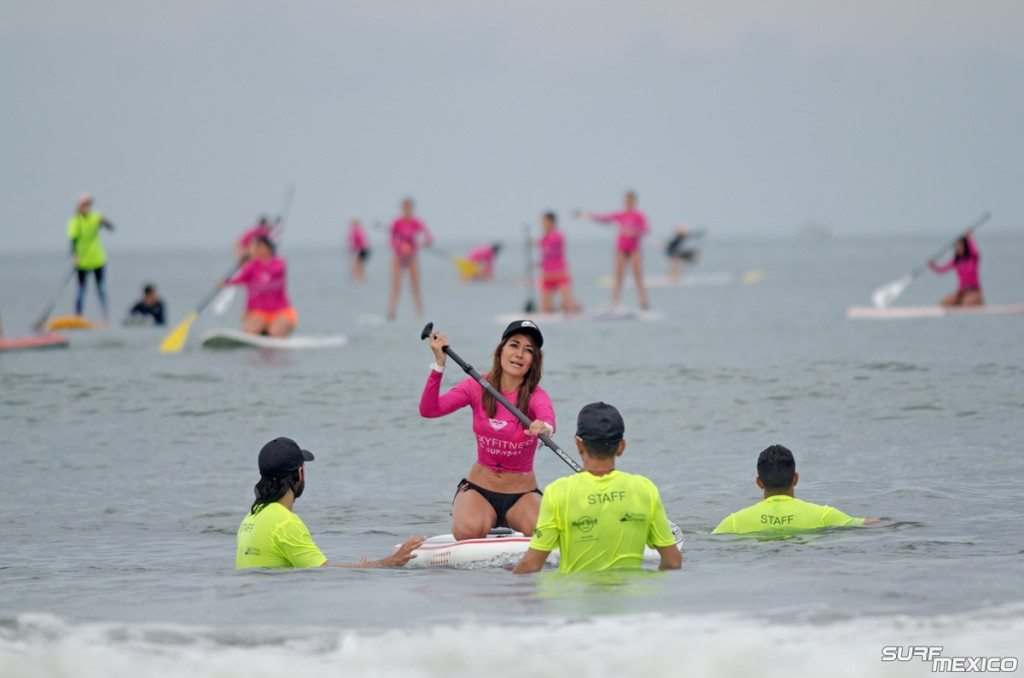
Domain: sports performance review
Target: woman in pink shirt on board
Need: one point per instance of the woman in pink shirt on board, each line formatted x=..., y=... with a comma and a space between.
x=264, y=275
x=632, y=227
x=554, y=271
x=359, y=249
x=500, y=488
x=965, y=262
x=408, y=233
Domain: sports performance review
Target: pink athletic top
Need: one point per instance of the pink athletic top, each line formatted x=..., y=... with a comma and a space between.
x=632, y=227
x=966, y=268
x=257, y=231
x=552, y=252
x=404, y=234
x=357, y=241
x=265, y=283
x=501, y=443
x=484, y=256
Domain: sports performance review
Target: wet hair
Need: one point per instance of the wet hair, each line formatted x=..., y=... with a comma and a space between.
x=263, y=240
x=530, y=381
x=552, y=216
x=601, y=449
x=963, y=251
x=269, y=490
x=775, y=467
x=149, y=288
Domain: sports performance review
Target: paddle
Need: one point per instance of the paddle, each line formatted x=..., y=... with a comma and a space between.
x=468, y=369
x=39, y=324
x=887, y=293
x=529, y=306
x=175, y=341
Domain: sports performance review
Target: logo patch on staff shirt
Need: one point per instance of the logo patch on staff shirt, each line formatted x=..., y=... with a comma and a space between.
x=498, y=424
x=585, y=524
x=633, y=518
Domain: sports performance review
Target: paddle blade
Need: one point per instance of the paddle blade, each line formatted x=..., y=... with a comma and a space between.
x=223, y=300
x=467, y=268
x=886, y=294
x=175, y=341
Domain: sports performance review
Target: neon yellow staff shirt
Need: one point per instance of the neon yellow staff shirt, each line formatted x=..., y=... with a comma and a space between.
x=781, y=513
x=276, y=537
x=84, y=229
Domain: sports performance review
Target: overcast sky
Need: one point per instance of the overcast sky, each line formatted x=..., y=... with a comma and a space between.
x=186, y=119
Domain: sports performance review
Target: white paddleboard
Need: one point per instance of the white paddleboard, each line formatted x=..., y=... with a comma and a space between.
x=239, y=339
x=605, y=315
x=905, y=312
x=501, y=548
x=708, y=279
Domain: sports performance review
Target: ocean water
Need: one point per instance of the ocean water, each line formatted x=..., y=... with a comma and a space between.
x=127, y=473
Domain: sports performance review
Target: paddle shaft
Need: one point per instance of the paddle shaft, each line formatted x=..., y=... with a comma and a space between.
x=975, y=225
x=529, y=306
x=38, y=326
x=468, y=369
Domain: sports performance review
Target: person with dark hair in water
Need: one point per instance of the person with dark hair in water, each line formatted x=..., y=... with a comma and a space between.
x=148, y=310
x=965, y=262
x=679, y=251
x=780, y=511
x=271, y=536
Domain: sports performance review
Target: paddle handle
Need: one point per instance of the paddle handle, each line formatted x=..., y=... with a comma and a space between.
x=525, y=420
x=529, y=306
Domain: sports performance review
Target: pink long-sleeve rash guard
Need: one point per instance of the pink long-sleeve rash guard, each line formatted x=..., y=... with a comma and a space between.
x=632, y=227
x=501, y=443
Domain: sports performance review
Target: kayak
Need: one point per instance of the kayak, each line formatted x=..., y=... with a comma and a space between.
x=605, y=315
x=709, y=279
x=35, y=341
x=228, y=339
x=905, y=312
x=501, y=548
x=71, y=322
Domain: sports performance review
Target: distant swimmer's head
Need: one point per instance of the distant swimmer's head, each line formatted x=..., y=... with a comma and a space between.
x=263, y=247
x=776, y=470
x=549, y=221
x=600, y=430
x=407, y=206
x=282, y=468
x=149, y=291
x=630, y=200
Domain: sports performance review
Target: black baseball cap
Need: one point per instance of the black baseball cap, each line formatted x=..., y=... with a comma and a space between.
x=600, y=422
x=527, y=327
x=282, y=457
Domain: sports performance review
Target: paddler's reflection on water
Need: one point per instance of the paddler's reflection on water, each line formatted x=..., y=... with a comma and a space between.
x=500, y=489
x=271, y=536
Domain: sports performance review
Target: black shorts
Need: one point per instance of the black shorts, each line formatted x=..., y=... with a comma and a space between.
x=501, y=502
x=363, y=255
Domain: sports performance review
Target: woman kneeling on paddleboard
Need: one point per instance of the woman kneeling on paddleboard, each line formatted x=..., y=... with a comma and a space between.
x=267, y=311
x=965, y=262
x=500, y=488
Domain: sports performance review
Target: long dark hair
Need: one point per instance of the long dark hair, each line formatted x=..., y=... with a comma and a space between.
x=963, y=251
x=269, y=490
x=530, y=381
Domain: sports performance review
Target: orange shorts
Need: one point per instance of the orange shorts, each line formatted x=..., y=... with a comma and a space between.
x=269, y=317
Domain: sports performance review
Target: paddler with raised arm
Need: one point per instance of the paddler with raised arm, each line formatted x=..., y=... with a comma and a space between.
x=267, y=309
x=632, y=228
x=408, y=234
x=272, y=536
x=500, y=489
x=965, y=262
x=600, y=518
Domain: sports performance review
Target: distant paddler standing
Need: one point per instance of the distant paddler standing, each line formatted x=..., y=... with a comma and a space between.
x=965, y=261
x=358, y=248
x=632, y=228
x=554, y=270
x=408, y=234
x=267, y=310
x=87, y=250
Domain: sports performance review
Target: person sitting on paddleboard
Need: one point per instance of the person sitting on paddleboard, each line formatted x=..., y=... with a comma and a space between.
x=632, y=228
x=87, y=250
x=780, y=512
x=271, y=536
x=483, y=257
x=678, y=253
x=149, y=309
x=965, y=261
x=408, y=233
x=600, y=518
x=500, y=488
x=359, y=249
x=261, y=229
x=554, y=271
x=267, y=310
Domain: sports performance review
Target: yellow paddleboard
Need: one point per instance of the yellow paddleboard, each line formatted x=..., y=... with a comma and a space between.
x=71, y=322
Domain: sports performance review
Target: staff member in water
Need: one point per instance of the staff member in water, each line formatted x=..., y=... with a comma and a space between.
x=781, y=511
x=271, y=536
x=632, y=228
x=267, y=310
x=965, y=262
x=500, y=488
x=408, y=233
x=87, y=250
x=601, y=518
